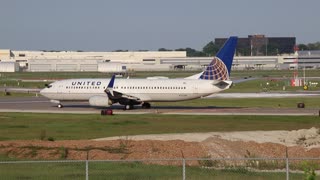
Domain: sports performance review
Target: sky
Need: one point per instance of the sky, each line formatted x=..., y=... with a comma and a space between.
x=108, y=25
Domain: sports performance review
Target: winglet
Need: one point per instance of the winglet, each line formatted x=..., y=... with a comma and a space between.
x=110, y=85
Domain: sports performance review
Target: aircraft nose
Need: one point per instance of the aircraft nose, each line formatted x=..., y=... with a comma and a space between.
x=43, y=92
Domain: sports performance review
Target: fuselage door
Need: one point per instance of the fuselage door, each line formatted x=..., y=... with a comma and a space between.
x=195, y=89
x=60, y=88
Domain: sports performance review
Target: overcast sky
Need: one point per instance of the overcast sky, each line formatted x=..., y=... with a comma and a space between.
x=107, y=25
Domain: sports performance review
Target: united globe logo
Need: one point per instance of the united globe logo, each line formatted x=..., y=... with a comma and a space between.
x=216, y=70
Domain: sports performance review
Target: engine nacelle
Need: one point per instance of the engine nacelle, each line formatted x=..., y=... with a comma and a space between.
x=100, y=101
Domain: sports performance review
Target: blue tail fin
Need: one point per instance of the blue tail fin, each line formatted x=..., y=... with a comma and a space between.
x=220, y=66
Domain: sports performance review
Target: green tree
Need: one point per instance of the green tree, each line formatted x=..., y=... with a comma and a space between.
x=210, y=49
x=309, y=46
x=303, y=47
x=164, y=49
x=314, y=46
x=120, y=50
x=192, y=52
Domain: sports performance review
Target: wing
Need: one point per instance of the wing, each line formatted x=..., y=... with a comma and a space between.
x=117, y=96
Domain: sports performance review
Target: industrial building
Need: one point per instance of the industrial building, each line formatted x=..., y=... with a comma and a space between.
x=41, y=61
x=72, y=61
x=258, y=45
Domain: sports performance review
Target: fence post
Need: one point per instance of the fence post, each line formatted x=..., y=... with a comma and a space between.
x=287, y=164
x=183, y=169
x=87, y=170
x=287, y=168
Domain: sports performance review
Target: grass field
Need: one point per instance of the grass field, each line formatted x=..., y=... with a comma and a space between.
x=15, y=83
x=171, y=74
x=268, y=85
x=134, y=170
x=265, y=83
x=15, y=126
x=17, y=94
x=290, y=102
x=258, y=85
x=23, y=126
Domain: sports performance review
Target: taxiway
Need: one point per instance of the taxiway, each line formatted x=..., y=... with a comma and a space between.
x=43, y=105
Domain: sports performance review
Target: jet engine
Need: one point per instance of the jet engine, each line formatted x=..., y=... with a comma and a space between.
x=100, y=101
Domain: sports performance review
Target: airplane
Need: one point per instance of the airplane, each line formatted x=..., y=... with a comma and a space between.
x=130, y=92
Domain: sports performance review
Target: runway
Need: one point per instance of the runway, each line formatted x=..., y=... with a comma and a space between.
x=43, y=105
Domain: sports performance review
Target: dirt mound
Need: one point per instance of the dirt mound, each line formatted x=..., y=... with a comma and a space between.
x=300, y=143
x=303, y=137
x=99, y=150
x=221, y=148
x=308, y=138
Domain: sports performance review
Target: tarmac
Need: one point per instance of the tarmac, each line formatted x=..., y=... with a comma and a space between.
x=43, y=105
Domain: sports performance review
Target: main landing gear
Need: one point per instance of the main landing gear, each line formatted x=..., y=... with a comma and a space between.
x=128, y=106
x=60, y=106
x=146, y=106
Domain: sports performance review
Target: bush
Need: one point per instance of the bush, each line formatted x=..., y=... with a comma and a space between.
x=50, y=139
x=43, y=135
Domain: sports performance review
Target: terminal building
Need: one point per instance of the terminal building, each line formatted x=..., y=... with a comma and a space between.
x=121, y=62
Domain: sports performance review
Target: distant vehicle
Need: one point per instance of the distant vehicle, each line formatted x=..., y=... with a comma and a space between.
x=130, y=92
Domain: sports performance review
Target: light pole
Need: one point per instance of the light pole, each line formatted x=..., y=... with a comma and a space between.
x=266, y=47
x=304, y=73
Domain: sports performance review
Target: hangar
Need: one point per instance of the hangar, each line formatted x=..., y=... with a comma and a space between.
x=43, y=61
x=73, y=61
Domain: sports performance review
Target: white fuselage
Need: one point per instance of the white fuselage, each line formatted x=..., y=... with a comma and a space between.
x=146, y=90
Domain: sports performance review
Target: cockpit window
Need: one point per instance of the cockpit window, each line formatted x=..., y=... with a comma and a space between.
x=48, y=85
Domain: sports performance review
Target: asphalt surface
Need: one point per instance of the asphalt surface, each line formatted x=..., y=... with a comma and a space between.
x=43, y=105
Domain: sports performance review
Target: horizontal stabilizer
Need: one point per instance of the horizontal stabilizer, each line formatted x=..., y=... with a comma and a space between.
x=222, y=84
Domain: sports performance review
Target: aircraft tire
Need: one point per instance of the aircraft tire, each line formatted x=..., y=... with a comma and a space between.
x=60, y=106
x=128, y=107
x=146, y=106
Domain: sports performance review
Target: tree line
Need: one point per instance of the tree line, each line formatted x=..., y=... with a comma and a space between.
x=310, y=46
x=212, y=48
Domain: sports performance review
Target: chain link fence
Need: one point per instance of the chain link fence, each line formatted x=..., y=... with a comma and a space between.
x=201, y=168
